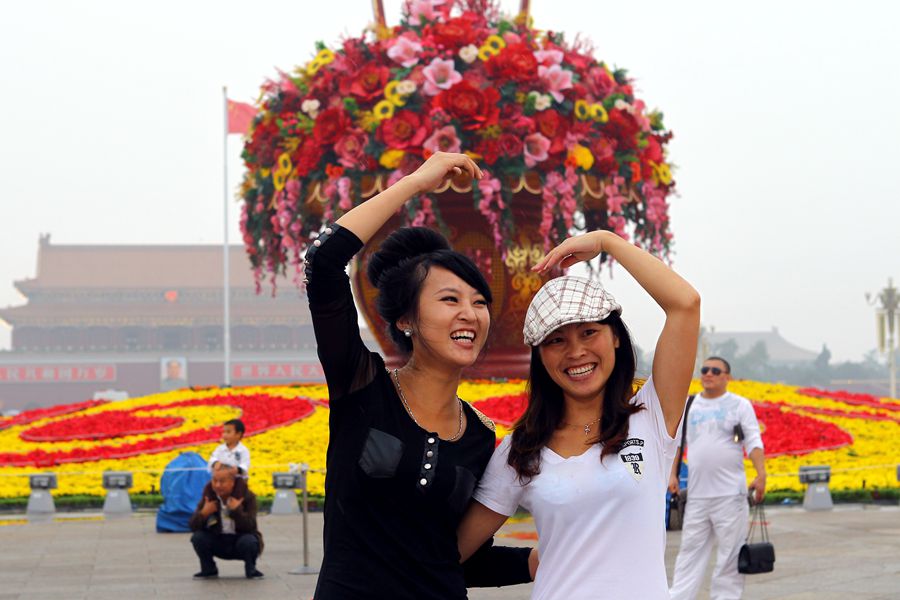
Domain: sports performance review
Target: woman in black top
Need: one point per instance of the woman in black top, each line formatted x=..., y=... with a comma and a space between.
x=405, y=452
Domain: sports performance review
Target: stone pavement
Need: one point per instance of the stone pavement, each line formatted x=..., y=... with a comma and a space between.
x=851, y=552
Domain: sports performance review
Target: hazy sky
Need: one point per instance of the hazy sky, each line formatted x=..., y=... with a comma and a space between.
x=785, y=116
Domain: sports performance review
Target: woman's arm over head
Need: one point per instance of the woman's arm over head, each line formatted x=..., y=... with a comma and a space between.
x=366, y=219
x=676, y=348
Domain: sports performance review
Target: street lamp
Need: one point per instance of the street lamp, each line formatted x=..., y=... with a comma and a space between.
x=887, y=311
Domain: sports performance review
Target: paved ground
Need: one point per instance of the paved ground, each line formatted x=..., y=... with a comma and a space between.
x=852, y=552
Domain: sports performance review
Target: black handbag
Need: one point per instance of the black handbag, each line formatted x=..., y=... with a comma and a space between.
x=678, y=500
x=757, y=557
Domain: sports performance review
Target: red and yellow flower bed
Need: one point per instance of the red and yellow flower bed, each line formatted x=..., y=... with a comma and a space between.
x=858, y=435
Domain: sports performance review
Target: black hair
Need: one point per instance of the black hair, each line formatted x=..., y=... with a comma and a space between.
x=399, y=267
x=546, y=406
x=721, y=360
x=238, y=425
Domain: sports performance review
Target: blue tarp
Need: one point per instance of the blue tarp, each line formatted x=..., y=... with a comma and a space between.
x=181, y=491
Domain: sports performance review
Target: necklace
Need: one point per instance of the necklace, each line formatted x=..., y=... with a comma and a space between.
x=586, y=428
x=459, y=430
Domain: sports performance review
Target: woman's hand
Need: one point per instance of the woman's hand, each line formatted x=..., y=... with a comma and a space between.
x=573, y=250
x=441, y=167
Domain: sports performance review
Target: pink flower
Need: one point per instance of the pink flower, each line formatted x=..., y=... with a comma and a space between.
x=536, y=147
x=405, y=51
x=443, y=140
x=343, y=190
x=421, y=9
x=548, y=58
x=351, y=149
x=556, y=79
x=441, y=75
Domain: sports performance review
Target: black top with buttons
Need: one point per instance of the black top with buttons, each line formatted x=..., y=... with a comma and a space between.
x=394, y=493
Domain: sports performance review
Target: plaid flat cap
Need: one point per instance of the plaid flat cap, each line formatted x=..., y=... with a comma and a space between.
x=563, y=301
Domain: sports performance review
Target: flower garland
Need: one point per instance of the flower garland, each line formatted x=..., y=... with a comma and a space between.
x=521, y=101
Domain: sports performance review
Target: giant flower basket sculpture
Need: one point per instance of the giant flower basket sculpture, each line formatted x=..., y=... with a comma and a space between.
x=566, y=144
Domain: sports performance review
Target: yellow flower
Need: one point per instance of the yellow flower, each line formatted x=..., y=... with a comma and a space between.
x=325, y=56
x=598, y=113
x=520, y=97
x=392, y=95
x=662, y=174
x=490, y=132
x=367, y=120
x=391, y=158
x=473, y=155
x=582, y=110
x=383, y=110
x=491, y=47
x=313, y=66
x=495, y=42
x=582, y=156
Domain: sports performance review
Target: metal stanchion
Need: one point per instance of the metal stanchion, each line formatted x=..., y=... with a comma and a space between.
x=817, y=496
x=305, y=569
x=40, y=504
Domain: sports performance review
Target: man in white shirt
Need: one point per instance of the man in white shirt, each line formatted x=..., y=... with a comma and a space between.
x=231, y=448
x=721, y=426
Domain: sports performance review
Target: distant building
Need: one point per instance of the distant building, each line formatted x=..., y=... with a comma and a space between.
x=142, y=319
x=780, y=351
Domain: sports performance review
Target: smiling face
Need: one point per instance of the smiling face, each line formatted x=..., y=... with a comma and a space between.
x=579, y=358
x=452, y=321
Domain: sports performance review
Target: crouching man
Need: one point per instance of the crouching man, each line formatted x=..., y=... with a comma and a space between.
x=225, y=526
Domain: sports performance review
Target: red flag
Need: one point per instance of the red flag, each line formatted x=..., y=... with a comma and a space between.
x=240, y=115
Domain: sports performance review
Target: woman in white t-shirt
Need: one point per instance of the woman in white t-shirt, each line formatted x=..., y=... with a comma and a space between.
x=590, y=458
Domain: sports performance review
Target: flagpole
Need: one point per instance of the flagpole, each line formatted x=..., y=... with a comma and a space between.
x=226, y=289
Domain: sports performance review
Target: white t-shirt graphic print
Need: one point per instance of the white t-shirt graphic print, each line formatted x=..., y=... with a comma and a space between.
x=600, y=524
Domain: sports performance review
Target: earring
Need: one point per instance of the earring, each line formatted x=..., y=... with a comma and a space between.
x=407, y=332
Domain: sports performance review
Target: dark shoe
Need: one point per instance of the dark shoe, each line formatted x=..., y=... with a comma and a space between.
x=206, y=574
x=254, y=574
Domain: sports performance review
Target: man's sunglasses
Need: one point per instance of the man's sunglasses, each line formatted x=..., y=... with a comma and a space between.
x=715, y=370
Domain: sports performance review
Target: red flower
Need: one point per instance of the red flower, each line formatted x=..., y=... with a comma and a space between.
x=622, y=126
x=474, y=107
x=367, y=83
x=351, y=149
x=604, y=151
x=515, y=62
x=455, y=33
x=331, y=124
x=510, y=145
x=306, y=159
x=404, y=130
x=489, y=149
x=552, y=126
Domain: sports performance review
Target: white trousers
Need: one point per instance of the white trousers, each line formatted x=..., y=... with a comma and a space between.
x=725, y=521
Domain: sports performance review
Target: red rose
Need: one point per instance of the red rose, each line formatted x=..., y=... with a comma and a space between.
x=474, y=107
x=404, y=130
x=515, y=62
x=307, y=156
x=454, y=33
x=367, y=83
x=623, y=127
x=552, y=126
x=351, y=149
x=331, y=124
x=489, y=149
x=604, y=151
x=510, y=145
x=599, y=82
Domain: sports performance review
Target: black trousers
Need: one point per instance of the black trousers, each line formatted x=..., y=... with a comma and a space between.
x=243, y=546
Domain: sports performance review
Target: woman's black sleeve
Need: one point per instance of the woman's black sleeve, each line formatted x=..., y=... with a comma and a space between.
x=496, y=566
x=346, y=361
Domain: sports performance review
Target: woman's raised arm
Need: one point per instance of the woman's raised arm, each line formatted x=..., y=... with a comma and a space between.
x=676, y=349
x=366, y=219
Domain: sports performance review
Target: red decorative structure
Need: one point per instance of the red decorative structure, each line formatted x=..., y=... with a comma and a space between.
x=566, y=145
